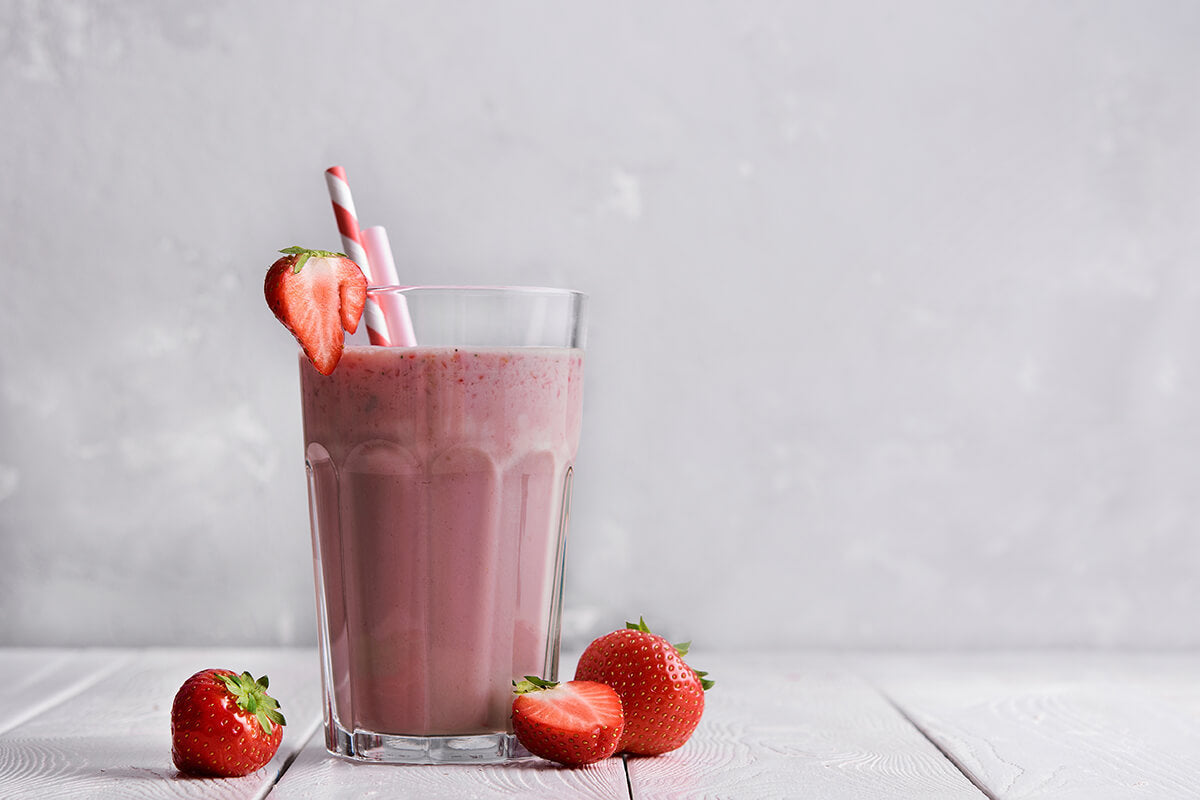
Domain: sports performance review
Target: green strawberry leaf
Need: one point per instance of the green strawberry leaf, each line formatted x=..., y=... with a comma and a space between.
x=305, y=254
x=532, y=683
x=252, y=697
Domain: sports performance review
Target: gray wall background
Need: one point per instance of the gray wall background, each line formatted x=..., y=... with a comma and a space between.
x=895, y=305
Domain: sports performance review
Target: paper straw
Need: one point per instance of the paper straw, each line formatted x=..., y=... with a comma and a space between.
x=347, y=223
x=395, y=306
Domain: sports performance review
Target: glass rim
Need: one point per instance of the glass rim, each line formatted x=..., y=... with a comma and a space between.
x=548, y=291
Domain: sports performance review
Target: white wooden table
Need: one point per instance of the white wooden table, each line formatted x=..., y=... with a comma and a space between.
x=1062, y=725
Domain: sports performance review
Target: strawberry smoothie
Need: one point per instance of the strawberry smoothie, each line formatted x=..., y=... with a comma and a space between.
x=439, y=486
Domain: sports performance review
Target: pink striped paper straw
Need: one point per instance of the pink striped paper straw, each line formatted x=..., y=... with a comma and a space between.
x=395, y=306
x=347, y=223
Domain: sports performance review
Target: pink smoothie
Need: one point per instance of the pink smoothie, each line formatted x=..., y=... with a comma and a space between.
x=439, y=483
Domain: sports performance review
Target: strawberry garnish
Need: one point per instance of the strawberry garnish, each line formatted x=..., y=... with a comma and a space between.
x=663, y=698
x=224, y=724
x=317, y=294
x=573, y=723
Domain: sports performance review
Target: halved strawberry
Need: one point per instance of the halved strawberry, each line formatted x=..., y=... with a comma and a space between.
x=317, y=294
x=573, y=723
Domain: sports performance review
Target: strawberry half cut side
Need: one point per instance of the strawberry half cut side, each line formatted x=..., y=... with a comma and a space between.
x=317, y=295
x=573, y=723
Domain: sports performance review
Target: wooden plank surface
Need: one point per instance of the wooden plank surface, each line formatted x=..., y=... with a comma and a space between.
x=112, y=739
x=798, y=725
x=34, y=680
x=1062, y=726
x=95, y=724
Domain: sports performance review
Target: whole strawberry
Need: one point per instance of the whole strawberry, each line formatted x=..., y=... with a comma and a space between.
x=663, y=698
x=224, y=724
x=317, y=295
x=573, y=723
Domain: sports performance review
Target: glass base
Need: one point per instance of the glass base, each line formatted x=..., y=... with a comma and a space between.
x=388, y=748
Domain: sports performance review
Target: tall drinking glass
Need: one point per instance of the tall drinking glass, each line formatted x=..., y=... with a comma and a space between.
x=439, y=480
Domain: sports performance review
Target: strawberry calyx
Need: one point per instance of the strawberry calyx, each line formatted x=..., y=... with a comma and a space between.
x=682, y=649
x=532, y=683
x=252, y=697
x=305, y=254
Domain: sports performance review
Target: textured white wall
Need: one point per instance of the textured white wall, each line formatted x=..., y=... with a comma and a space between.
x=895, y=305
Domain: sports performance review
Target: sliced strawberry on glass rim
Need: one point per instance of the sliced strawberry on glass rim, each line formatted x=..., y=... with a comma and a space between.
x=317, y=295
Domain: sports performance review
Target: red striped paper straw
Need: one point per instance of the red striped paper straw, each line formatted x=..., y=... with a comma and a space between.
x=347, y=223
x=395, y=306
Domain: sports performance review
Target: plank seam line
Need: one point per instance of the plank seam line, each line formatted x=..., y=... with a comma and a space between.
x=287, y=762
x=958, y=765
x=628, y=778
x=68, y=693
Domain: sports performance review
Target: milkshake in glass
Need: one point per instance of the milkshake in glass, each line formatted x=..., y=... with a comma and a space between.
x=439, y=487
